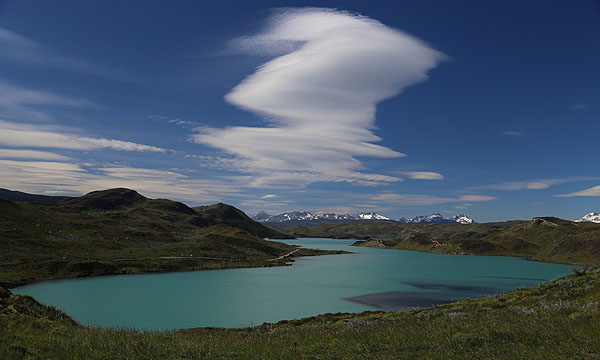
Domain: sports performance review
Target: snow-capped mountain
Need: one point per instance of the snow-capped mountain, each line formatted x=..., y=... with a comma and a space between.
x=462, y=219
x=304, y=217
x=591, y=217
x=372, y=216
x=429, y=219
x=333, y=216
x=438, y=219
x=289, y=216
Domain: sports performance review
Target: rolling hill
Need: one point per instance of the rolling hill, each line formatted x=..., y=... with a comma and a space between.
x=119, y=231
x=543, y=238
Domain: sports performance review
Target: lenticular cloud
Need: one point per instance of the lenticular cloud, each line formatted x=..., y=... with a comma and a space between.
x=319, y=96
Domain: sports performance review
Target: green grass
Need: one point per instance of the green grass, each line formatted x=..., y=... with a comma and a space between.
x=556, y=320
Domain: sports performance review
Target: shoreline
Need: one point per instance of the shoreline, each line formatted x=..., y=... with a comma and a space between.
x=286, y=321
x=289, y=262
x=528, y=258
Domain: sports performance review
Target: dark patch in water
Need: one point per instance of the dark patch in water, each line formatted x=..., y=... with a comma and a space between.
x=435, y=294
x=401, y=300
x=511, y=278
x=449, y=287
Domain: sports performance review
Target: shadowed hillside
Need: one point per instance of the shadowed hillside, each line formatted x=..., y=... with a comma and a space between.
x=226, y=214
x=120, y=231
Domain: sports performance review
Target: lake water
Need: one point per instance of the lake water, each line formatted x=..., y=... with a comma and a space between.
x=369, y=279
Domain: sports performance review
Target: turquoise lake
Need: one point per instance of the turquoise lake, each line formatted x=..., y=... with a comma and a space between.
x=369, y=279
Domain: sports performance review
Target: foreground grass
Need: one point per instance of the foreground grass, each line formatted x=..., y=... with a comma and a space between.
x=556, y=320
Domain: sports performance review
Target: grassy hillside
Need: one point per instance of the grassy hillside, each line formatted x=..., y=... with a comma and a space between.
x=120, y=231
x=545, y=239
x=390, y=230
x=225, y=214
x=556, y=320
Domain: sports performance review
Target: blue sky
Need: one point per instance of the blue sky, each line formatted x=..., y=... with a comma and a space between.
x=489, y=108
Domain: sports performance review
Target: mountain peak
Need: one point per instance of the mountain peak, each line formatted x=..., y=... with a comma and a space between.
x=372, y=216
x=106, y=199
x=590, y=217
x=462, y=219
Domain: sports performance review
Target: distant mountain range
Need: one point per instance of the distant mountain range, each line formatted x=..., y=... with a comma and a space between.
x=438, y=219
x=590, y=217
x=307, y=218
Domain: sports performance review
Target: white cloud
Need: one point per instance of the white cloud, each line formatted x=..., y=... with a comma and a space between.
x=512, y=133
x=41, y=176
x=24, y=104
x=424, y=175
x=320, y=97
x=31, y=154
x=58, y=177
x=183, y=123
x=411, y=199
x=269, y=196
x=476, y=198
x=524, y=185
x=28, y=135
x=539, y=184
x=22, y=50
x=176, y=121
x=255, y=205
x=593, y=191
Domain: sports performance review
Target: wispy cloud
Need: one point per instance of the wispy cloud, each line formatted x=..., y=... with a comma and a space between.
x=36, y=136
x=512, y=133
x=579, y=106
x=22, y=50
x=319, y=98
x=59, y=177
x=413, y=199
x=24, y=104
x=269, y=205
x=476, y=198
x=31, y=154
x=424, y=175
x=42, y=176
x=593, y=191
x=538, y=184
x=176, y=121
